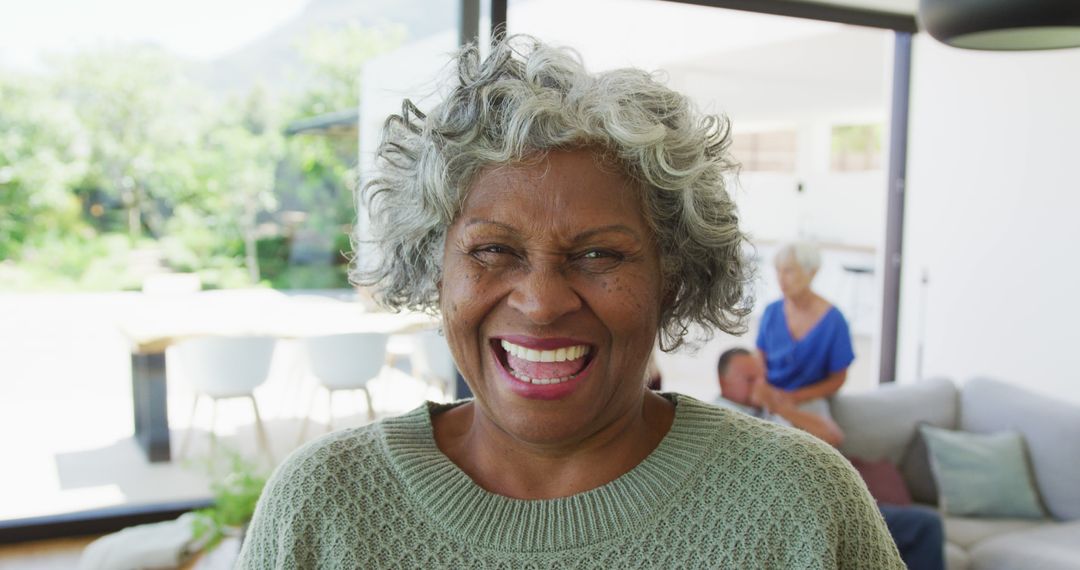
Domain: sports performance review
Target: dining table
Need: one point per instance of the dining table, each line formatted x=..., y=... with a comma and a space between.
x=164, y=320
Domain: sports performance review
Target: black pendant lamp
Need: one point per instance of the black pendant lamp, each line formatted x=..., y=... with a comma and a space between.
x=1003, y=24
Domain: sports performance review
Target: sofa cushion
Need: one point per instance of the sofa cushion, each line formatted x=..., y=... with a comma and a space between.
x=966, y=532
x=982, y=474
x=880, y=423
x=884, y=481
x=1051, y=546
x=1051, y=429
x=915, y=468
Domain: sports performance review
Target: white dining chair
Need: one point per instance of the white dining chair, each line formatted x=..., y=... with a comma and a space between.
x=433, y=363
x=222, y=368
x=344, y=362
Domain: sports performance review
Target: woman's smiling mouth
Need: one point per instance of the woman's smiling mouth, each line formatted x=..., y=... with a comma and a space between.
x=542, y=368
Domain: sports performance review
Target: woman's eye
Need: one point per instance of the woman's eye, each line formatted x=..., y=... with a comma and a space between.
x=492, y=253
x=599, y=254
x=599, y=259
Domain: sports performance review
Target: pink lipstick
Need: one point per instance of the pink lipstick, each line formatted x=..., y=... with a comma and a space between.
x=542, y=368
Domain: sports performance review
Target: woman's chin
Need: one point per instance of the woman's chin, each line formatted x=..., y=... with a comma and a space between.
x=542, y=414
x=550, y=427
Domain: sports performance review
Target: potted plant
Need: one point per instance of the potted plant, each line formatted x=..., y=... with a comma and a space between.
x=235, y=495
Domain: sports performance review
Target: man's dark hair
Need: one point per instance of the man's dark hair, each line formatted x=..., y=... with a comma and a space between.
x=725, y=359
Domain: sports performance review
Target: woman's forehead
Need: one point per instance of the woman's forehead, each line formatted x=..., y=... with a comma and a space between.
x=565, y=190
x=555, y=169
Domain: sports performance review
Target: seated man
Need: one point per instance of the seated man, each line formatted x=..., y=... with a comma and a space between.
x=744, y=388
x=917, y=531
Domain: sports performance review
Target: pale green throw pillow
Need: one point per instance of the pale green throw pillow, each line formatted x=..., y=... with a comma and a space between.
x=981, y=475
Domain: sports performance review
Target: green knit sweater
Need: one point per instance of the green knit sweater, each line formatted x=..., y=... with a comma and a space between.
x=722, y=490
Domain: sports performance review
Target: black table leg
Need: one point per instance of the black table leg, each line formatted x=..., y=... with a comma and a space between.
x=150, y=399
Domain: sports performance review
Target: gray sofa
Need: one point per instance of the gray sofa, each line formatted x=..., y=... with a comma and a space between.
x=883, y=424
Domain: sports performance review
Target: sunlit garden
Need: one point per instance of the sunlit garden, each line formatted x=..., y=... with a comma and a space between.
x=117, y=163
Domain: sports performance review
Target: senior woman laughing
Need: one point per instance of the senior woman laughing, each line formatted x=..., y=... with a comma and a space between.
x=562, y=223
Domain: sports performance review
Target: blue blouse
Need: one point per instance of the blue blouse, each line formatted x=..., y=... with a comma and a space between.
x=793, y=364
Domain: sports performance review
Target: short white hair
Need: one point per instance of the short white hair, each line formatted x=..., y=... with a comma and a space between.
x=807, y=255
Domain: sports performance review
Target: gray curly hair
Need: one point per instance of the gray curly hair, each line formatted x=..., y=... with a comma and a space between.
x=525, y=99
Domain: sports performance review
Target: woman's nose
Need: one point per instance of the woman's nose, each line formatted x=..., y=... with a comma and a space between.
x=544, y=294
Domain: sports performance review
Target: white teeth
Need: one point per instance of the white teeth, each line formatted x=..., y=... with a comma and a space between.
x=525, y=378
x=558, y=355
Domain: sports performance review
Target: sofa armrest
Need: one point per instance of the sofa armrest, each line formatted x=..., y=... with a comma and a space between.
x=1051, y=431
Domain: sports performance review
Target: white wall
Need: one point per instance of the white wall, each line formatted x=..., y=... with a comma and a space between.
x=992, y=217
x=845, y=208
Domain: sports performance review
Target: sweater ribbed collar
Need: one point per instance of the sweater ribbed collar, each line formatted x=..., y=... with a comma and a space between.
x=484, y=519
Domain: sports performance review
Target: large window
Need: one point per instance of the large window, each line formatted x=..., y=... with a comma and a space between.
x=856, y=147
x=766, y=151
x=179, y=170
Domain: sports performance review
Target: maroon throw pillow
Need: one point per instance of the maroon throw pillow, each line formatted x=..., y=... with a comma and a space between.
x=884, y=481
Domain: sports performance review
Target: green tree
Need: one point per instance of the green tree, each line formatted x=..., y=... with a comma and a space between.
x=319, y=170
x=115, y=148
x=336, y=59
x=142, y=117
x=43, y=152
x=240, y=158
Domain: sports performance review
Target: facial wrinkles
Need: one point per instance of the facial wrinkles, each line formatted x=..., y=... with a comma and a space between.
x=546, y=224
x=553, y=249
x=553, y=262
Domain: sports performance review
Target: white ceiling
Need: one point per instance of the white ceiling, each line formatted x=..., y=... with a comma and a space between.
x=843, y=73
x=756, y=68
x=897, y=6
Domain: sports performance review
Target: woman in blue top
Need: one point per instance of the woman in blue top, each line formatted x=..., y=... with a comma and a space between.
x=804, y=340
